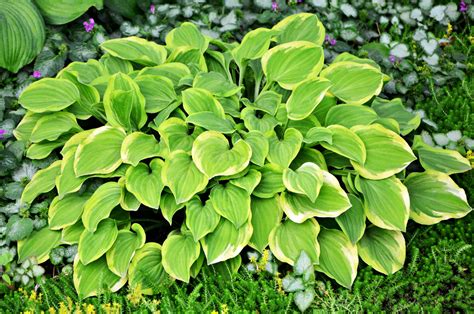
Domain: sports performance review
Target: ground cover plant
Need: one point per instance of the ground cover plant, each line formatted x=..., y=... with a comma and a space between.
x=221, y=141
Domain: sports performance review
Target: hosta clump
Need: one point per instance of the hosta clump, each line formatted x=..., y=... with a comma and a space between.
x=233, y=145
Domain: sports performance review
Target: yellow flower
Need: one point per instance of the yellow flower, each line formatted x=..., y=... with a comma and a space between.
x=450, y=29
x=135, y=296
x=33, y=296
x=224, y=308
x=214, y=312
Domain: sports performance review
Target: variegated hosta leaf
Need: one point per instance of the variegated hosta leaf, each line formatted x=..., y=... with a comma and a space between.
x=38, y=245
x=346, y=143
x=216, y=83
x=331, y=201
x=99, y=153
x=306, y=180
x=395, y=109
x=175, y=133
x=187, y=35
x=51, y=126
x=283, y=63
x=302, y=26
x=136, y=49
x=99, y=206
x=74, y=141
x=309, y=155
x=169, y=206
x=121, y=253
x=248, y=182
x=42, y=182
x=434, y=197
x=288, y=239
x=67, y=182
x=268, y=101
x=213, y=156
x=386, y=202
x=201, y=220
x=92, y=245
x=145, y=182
x=271, y=182
x=254, y=44
x=350, y=115
x=180, y=251
x=71, y=235
x=158, y=91
x=284, y=150
x=305, y=97
x=382, y=249
x=138, y=146
x=26, y=125
x=258, y=121
x=181, y=175
x=395, y=156
x=338, y=257
x=232, y=203
x=228, y=268
x=43, y=150
x=266, y=215
x=65, y=11
x=196, y=100
x=226, y=241
x=172, y=70
x=66, y=211
x=352, y=221
x=259, y=146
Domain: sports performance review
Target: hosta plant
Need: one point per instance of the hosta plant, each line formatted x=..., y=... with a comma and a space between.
x=176, y=156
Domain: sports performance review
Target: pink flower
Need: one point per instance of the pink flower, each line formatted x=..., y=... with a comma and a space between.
x=331, y=41
x=152, y=9
x=2, y=132
x=462, y=6
x=89, y=26
x=274, y=6
x=392, y=58
x=36, y=74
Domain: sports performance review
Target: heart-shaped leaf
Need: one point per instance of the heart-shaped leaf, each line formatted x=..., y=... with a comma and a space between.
x=145, y=182
x=200, y=219
x=138, y=146
x=266, y=215
x=99, y=206
x=179, y=252
x=92, y=245
x=284, y=150
x=306, y=180
x=305, y=97
x=232, y=203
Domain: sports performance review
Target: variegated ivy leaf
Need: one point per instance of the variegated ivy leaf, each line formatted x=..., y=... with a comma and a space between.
x=138, y=146
x=232, y=203
x=305, y=97
x=284, y=149
x=213, y=156
x=145, y=182
x=42, y=182
x=302, y=26
x=306, y=180
x=346, y=143
x=187, y=35
x=93, y=245
x=136, y=49
x=99, y=206
x=201, y=220
x=179, y=252
x=266, y=215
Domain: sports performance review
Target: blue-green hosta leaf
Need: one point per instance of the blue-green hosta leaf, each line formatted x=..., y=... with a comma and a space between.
x=49, y=94
x=226, y=241
x=211, y=121
x=288, y=239
x=138, y=146
x=254, y=44
x=38, y=245
x=346, y=143
x=305, y=97
x=187, y=35
x=266, y=215
x=145, y=182
x=121, y=253
x=284, y=63
x=183, y=177
x=213, y=156
x=258, y=121
x=158, y=91
x=50, y=127
x=395, y=109
x=434, y=197
x=197, y=100
x=395, y=156
x=92, y=245
x=173, y=70
x=21, y=34
x=271, y=182
x=283, y=150
x=136, y=49
x=99, y=206
x=232, y=203
x=302, y=26
x=350, y=115
x=382, y=249
x=353, y=83
x=66, y=211
x=249, y=181
x=175, y=133
x=352, y=221
x=386, y=202
x=99, y=153
x=259, y=145
x=306, y=180
x=42, y=182
x=179, y=252
x=338, y=257
x=216, y=83
x=65, y=11
x=201, y=220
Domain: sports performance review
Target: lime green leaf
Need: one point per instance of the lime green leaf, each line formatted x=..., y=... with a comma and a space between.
x=284, y=150
x=254, y=44
x=201, y=220
x=65, y=11
x=50, y=127
x=351, y=115
x=186, y=35
x=268, y=101
x=435, y=197
x=288, y=239
x=175, y=133
x=38, y=245
x=49, y=94
x=92, y=245
x=266, y=215
x=318, y=134
x=216, y=83
x=306, y=180
x=138, y=146
x=305, y=97
x=271, y=182
x=158, y=91
x=26, y=125
x=395, y=109
x=169, y=206
x=302, y=26
x=66, y=181
x=338, y=257
x=42, y=182
x=212, y=122
x=67, y=211
x=180, y=251
x=172, y=70
x=99, y=206
x=145, y=182
x=232, y=203
x=115, y=65
x=192, y=57
x=382, y=249
x=346, y=143
x=256, y=121
x=136, y=49
x=352, y=221
x=121, y=253
x=200, y=100
x=248, y=182
x=70, y=235
x=259, y=146
x=43, y=150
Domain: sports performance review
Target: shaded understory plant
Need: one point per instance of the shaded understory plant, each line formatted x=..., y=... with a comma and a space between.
x=254, y=144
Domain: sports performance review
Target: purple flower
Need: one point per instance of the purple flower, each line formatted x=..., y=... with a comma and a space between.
x=392, y=58
x=2, y=132
x=89, y=26
x=36, y=74
x=462, y=6
x=332, y=41
x=299, y=1
x=152, y=9
x=274, y=6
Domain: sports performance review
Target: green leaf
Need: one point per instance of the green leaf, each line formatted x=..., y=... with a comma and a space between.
x=346, y=143
x=232, y=203
x=65, y=11
x=43, y=150
x=121, y=253
x=288, y=239
x=302, y=26
x=50, y=127
x=145, y=182
x=305, y=97
x=158, y=91
x=49, y=94
x=93, y=245
x=70, y=235
x=212, y=122
x=216, y=83
x=42, y=182
x=169, y=206
x=248, y=182
x=186, y=35
x=318, y=134
x=283, y=63
x=268, y=101
x=172, y=70
x=309, y=155
x=350, y=115
x=26, y=125
x=256, y=121
x=386, y=202
x=99, y=153
x=306, y=180
x=138, y=146
x=66, y=211
x=266, y=215
x=352, y=221
x=382, y=249
x=180, y=251
x=213, y=156
x=254, y=44
x=99, y=206
x=226, y=241
x=197, y=100
x=136, y=49
x=395, y=109
x=22, y=34
x=175, y=133
x=395, y=156
x=435, y=197
x=114, y=65
x=353, y=83
x=38, y=245
x=181, y=175
x=284, y=150
x=259, y=146
x=201, y=220
x=271, y=182
x=338, y=257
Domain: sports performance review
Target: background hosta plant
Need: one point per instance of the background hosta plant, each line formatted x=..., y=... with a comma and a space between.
x=255, y=144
